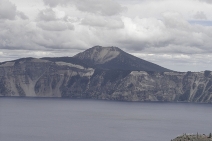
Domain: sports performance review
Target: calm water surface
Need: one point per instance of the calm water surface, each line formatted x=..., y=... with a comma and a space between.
x=47, y=119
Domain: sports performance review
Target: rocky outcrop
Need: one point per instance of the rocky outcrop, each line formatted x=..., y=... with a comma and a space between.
x=192, y=137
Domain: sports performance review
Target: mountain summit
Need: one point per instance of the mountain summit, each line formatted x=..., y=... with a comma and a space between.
x=98, y=54
x=115, y=58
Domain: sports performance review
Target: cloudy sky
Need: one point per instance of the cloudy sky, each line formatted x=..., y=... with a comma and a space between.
x=176, y=34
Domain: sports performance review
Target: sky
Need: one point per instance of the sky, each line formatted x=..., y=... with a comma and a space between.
x=176, y=34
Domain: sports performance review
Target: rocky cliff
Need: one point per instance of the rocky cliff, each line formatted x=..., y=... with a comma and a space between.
x=69, y=78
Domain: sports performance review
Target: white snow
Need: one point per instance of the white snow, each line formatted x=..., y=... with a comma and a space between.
x=138, y=73
x=88, y=74
x=105, y=55
x=7, y=64
x=70, y=65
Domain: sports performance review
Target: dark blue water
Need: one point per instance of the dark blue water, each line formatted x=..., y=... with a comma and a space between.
x=47, y=119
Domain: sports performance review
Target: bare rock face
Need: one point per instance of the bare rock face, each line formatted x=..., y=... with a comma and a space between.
x=68, y=77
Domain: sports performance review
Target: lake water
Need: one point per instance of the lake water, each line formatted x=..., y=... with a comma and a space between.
x=57, y=119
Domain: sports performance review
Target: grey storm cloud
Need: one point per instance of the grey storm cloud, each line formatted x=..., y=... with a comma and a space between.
x=9, y=11
x=22, y=15
x=17, y=35
x=200, y=15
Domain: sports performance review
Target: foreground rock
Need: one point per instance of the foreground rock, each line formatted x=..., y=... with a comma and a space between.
x=197, y=137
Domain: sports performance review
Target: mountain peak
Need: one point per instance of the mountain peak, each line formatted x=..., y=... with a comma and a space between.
x=115, y=58
x=99, y=54
x=112, y=48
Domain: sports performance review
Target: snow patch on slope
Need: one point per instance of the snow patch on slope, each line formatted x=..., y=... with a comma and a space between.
x=99, y=55
x=138, y=73
x=88, y=74
x=104, y=55
x=70, y=65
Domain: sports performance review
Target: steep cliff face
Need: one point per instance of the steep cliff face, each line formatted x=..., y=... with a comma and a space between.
x=43, y=78
x=37, y=77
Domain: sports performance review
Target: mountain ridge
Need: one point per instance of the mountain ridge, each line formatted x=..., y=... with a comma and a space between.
x=74, y=78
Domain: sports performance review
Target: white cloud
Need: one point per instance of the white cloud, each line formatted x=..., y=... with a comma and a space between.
x=172, y=34
x=47, y=15
x=207, y=1
x=50, y=14
x=9, y=11
x=17, y=34
x=180, y=62
x=100, y=21
x=55, y=25
x=154, y=8
x=103, y=7
x=6, y=55
x=54, y=3
x=22, y=15
x=200, y=15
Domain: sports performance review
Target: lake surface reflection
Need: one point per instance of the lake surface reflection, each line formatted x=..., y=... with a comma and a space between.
x=57, y=119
